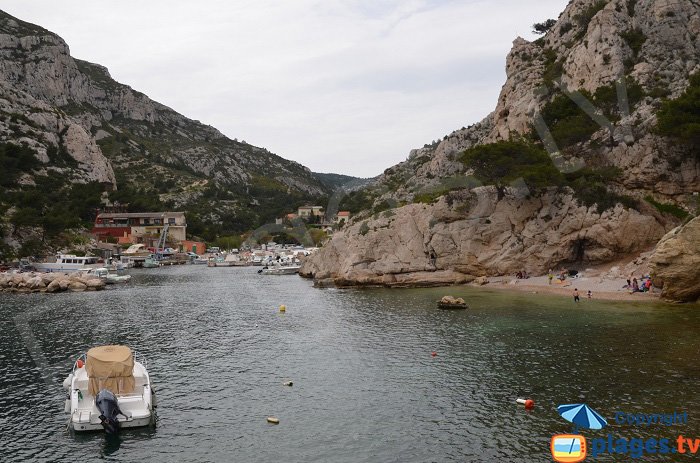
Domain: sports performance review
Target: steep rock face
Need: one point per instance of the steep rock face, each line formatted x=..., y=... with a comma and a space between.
x=479, y=233
x=53, y=102
x=655, y=44
x=594, y=44
x=82, y=147
x=675, y=264
x=658, y=39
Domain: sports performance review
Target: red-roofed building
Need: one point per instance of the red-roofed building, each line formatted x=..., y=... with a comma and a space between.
x=342, y=215
x=135, y=226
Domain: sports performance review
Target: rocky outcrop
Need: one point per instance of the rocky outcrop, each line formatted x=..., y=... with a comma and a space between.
x=477, y=231
x=653, y=42
x=675, y=264
x=48, y=283
x=469, y=234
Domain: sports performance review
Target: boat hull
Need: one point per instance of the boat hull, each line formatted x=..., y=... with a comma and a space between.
x=59, y=268
x=279, y=271
x=92, y=426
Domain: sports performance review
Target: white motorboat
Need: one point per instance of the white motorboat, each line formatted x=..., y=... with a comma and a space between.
x=279, y=269
x=109, y=278
x=108, y=390
x=151, y=262
x=66, y=263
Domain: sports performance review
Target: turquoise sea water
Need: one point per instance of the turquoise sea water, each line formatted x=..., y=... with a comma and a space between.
x=366, y=387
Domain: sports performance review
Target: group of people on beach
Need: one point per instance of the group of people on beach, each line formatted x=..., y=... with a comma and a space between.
x=561, y=275
x=638, y=286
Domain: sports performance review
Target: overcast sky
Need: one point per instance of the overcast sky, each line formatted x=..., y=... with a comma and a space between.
x=346, y=86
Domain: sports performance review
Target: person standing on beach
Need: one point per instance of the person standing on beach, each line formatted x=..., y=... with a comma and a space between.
x=550, y=276
x=576, y=297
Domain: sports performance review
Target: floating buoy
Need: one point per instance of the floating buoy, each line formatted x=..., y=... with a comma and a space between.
x=283, y=308
x=434, y=354
x=273, y=420
x=288, y=383
x=529, y=403
x=80, y=363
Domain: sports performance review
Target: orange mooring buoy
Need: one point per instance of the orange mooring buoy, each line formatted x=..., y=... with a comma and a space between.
x=529, y=403
x=434, y=354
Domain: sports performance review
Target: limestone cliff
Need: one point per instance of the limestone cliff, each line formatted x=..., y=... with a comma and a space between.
x=675, y=264
x=618, y=60
x=85, y=126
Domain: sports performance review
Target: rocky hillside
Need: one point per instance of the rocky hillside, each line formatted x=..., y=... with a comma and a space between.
x=577, y=165
x=85, y=128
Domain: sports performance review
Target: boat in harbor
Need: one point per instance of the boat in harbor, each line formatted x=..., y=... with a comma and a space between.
x=67, y=263
x=150, y=262
x=229, y=260
x=279, y=269
x=108, y=390
x=109, y=278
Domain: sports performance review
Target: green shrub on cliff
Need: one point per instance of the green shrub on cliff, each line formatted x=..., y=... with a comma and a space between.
x=591, y=188
x=667, y=208
x=569, y=124
x=504, y=162
x=680, y=118
x=14, y=161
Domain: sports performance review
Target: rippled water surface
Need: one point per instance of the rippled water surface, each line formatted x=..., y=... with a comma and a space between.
x=366, y=387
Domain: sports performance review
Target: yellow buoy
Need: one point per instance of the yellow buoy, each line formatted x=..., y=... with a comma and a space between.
x=283, y=308
x=273, y=420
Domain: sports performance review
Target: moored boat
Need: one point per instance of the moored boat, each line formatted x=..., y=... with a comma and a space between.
x=150, y=262
x=109, y=278
x=279, y=270
x=66, y=263
x=109, y=390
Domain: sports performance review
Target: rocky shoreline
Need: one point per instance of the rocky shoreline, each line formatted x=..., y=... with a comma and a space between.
x=674, y=266
x=33, y=282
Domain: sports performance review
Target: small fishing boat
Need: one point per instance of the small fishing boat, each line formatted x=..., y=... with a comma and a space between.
x=279, y=270
x=452, y=303
x=109, y=278
x=109, y=390
x=150, y=262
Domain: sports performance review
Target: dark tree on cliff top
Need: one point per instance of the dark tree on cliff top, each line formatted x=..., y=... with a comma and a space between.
x=542, y=28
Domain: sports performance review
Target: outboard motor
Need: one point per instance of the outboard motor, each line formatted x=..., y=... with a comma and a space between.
x=107, y=404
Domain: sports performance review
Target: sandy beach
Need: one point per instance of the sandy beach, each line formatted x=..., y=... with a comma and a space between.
x=600, y=287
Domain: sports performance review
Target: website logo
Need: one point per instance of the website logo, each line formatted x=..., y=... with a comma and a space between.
x=574, y=448
x=568, y=448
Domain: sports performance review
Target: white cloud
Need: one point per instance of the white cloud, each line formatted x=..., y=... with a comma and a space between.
x=342, y=86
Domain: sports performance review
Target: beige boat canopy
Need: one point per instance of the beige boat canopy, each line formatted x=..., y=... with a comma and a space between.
x=110, y=367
